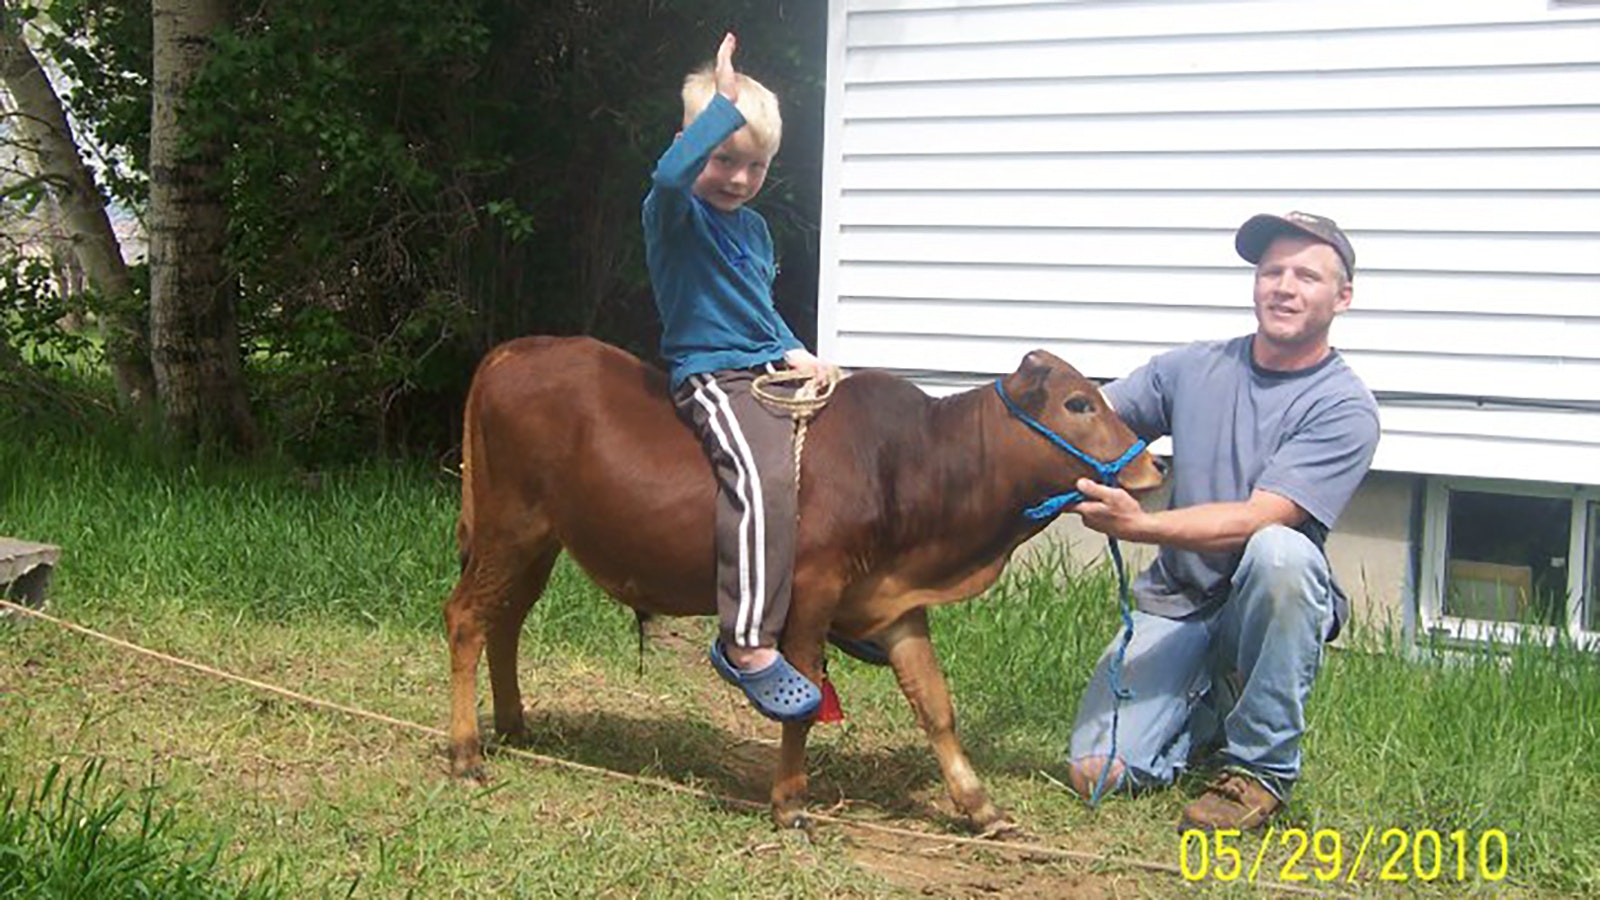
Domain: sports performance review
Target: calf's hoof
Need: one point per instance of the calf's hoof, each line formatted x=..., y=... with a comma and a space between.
x=793, y=818
x=989, y=821
x=1002, y=829
x=515, y=737
x=467, y=764
x=470, y=772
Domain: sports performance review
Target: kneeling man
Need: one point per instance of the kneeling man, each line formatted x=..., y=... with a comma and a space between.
x=1271, y=435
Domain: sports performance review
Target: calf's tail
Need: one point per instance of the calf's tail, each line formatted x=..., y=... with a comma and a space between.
x=468, y=466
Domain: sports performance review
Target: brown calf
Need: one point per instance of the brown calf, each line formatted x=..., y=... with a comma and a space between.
x=905, y=501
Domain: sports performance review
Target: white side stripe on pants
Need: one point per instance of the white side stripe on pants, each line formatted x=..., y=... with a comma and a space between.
x=752, y=519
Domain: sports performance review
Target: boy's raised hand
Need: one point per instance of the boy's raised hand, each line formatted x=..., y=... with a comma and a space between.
x=726, y=78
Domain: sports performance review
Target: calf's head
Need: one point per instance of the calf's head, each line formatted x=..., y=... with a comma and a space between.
x=1061, y=399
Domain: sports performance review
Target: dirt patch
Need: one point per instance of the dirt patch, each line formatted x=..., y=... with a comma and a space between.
x=934, y=870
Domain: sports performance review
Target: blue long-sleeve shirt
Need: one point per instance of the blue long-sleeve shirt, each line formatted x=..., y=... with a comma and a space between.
x=711, y=270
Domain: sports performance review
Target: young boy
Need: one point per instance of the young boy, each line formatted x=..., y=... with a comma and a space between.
x=711, y=266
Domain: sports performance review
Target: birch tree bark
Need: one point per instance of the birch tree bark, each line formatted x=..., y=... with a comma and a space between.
x=194, y=329
x=42, y=125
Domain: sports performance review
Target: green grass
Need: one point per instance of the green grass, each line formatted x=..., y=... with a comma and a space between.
x=72, y=836
x=1506, y=738
x=372, y=544
x=1501, y=738
x=334, y=583
x=331, y=806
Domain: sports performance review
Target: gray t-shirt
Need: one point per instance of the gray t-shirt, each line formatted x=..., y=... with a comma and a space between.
x=1306, y=435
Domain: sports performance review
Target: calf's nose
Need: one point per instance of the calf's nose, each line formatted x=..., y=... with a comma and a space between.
x=1142, y=475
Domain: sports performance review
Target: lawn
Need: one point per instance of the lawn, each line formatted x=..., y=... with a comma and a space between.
x=331, y=584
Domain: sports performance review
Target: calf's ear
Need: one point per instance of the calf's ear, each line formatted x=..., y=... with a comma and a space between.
x=1037, y=361
x=1026, y=385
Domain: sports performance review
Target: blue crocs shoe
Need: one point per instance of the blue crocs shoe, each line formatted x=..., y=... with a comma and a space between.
x=778, y=692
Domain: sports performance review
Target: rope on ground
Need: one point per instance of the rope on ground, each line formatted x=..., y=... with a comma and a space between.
x=1009, y=847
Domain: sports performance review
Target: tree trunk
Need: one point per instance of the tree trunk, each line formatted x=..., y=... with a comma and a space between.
x=42, y=125
x=194, y=330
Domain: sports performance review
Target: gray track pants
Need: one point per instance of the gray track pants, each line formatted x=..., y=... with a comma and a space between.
x=752, y=458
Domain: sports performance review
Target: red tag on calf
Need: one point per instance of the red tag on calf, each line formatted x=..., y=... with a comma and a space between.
x=830, y=711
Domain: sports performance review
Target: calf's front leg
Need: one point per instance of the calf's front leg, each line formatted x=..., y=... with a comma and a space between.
x=789, y=787
x=911, y=653
x=803, y=651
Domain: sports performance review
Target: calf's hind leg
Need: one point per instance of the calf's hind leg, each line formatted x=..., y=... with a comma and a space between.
x=917, y=669
x=505, y=634
x=486, y=611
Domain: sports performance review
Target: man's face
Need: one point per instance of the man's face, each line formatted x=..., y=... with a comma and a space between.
x=1299, y=289
x=735, y=172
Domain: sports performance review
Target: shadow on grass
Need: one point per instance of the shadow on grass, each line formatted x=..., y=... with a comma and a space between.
x=896, y=782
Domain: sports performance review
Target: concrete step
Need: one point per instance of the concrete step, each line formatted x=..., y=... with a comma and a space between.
x=25, y=569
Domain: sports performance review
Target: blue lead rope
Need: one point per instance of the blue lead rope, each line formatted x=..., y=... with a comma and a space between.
x=1119, y=692
x=1051, y=507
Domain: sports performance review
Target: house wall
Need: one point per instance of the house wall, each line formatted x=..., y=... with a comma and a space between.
x=1374, y=553
x=1002, y=175
x=1007, y=175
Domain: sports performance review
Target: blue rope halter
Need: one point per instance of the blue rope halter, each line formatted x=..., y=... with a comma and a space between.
x=1052, y=507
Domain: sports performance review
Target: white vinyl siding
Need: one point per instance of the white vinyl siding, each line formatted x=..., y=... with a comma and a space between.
x=1008, y=175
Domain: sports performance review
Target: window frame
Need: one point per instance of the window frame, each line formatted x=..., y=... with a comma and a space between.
x=1584, y=502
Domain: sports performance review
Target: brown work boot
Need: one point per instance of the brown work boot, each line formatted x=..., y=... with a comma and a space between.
x=1232, y=800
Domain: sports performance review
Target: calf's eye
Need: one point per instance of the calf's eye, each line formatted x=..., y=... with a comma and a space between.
x=1079, y=405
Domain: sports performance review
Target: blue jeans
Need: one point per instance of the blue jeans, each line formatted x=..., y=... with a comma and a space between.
x=1236, y=679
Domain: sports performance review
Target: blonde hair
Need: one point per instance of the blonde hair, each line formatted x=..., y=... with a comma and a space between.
x=758, y=105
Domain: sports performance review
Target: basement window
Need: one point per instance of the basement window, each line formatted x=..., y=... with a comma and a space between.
x=1591, y=593
x=1510, y=560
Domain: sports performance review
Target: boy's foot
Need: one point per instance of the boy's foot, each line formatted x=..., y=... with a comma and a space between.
x=777, y=691
x=1232, y=800
x=750, y=659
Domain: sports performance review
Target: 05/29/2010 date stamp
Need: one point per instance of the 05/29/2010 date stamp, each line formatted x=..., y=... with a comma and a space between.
x=1327, y=854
